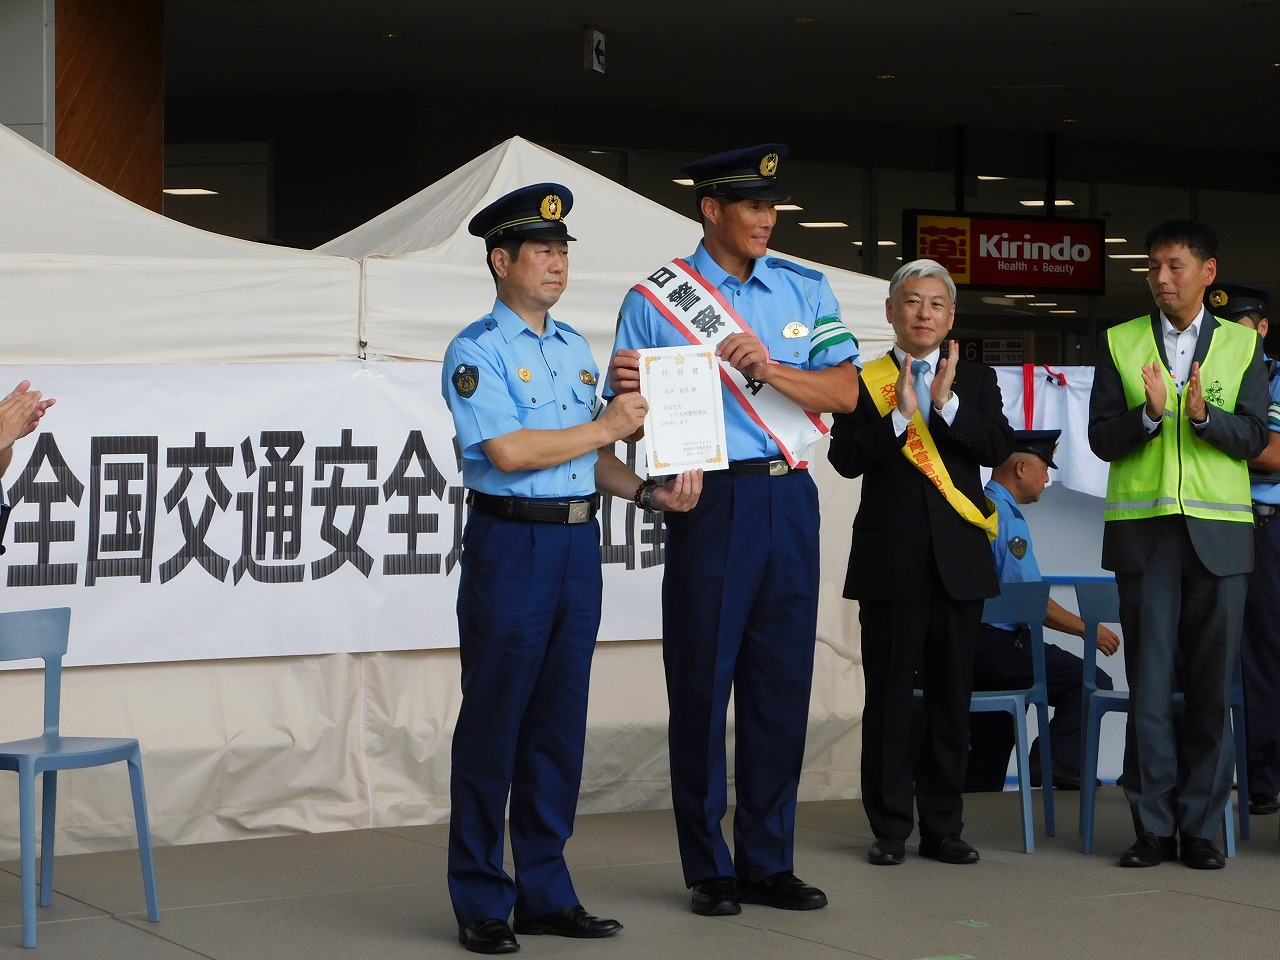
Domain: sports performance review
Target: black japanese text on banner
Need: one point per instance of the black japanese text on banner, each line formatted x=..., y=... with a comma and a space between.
x=242, y=510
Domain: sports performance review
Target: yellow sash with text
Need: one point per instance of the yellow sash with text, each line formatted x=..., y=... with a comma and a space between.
x=881, y=376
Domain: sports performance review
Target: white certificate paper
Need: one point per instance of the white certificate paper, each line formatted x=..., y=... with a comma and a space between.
x=684, y=428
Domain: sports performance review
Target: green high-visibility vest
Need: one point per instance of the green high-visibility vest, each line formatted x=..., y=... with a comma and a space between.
x=1177, y=472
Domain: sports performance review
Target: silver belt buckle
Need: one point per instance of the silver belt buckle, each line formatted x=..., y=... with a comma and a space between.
x=778, y=468
x=579, y=511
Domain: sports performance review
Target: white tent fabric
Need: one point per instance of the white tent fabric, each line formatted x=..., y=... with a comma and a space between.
x=89, y=277
x=340, y=741
x=425, y=276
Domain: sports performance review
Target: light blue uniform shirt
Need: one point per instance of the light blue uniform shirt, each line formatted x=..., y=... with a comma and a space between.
x=521, y=381
x=777, y=293
x=1013, y=536
x=1267, y=491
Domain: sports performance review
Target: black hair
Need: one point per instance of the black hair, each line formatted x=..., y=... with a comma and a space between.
x=1196, y=237
x=512, y=245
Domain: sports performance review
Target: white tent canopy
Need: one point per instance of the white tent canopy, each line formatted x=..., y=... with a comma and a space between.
x=425, y=276
x=90, y=277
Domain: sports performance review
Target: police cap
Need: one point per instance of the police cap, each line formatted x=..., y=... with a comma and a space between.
x=750, y=173
x=1231, y=301
x=535, y=212
x=1040, y=442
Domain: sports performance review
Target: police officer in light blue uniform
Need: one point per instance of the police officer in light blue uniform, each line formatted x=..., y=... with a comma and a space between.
x=1260, y=639
x=741, y=581
x=1002, y=657
x=521, y=388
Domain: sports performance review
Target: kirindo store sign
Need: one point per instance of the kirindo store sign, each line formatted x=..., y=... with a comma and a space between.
x=991, y=252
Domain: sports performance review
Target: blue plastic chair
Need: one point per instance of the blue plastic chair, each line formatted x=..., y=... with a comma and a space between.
x=1024, y=603
x=1099, y=602
x=42, y=634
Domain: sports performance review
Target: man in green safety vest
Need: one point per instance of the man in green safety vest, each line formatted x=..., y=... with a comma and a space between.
x=1178, y=408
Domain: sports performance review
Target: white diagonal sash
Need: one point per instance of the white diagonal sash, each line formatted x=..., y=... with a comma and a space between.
x=703, y=316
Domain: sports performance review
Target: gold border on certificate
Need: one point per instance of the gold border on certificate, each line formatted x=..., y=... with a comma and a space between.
x=684, y=428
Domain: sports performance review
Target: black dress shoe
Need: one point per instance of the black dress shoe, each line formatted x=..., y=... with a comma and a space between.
x=1201, y=854
x=1263, y=805
x=717, y=897
x=570, y=922
x=887, y=852
x=948, y=849
x=785, y=891
x=488, y=936
x=1150, y=851
x=1064, y=777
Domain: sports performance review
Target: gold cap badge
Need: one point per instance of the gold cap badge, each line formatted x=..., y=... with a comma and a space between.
x=552, y=208
x=1218, y=298
x=769, y=165
x=525, y=375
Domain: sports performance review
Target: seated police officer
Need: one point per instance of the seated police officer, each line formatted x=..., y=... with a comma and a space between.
x=1002, y=660
x=535, y=448
x=1247, y=304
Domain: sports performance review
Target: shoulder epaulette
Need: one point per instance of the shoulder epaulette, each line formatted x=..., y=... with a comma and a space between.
x=807, y=272
x=473, y=331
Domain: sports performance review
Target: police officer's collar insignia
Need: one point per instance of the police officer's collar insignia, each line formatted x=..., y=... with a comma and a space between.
x=794, y=330
x=587, y=377
x=769, y=165
x=465, y=379
x=1213, y=393
x=1218, y=298
x=525, y=375
x=551, y=208
x=1018, y=547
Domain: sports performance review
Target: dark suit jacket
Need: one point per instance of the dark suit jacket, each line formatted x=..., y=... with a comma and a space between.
x=902, y=512
x=1224, y=547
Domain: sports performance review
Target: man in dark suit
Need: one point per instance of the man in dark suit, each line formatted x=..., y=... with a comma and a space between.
x=1178, y=407
x=921, y=562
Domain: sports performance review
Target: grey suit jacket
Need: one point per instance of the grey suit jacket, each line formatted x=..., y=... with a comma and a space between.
x=1115, y=430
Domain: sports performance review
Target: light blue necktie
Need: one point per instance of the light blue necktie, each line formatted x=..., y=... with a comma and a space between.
x=918, y=369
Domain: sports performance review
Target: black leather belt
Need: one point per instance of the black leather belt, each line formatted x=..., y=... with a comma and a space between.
x=761, y=468
x=1263, y=513
x=537, y=511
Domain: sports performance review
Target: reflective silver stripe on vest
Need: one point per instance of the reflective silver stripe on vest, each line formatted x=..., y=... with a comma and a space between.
x=1209, y=505
x=1142, y=504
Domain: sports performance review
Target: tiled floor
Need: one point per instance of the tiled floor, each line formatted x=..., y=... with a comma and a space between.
x=381, y=894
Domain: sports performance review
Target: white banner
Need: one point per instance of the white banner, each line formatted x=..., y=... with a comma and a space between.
x=193, y=512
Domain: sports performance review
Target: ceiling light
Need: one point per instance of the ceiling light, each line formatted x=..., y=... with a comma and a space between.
x=1062, y=311
x=886, y=243
x=1040, y=203
x=886, y=76
x=1137, y=269
x=1115, y=240
x=992, y=178
x=190, y=192
x=788, y=206
x=684, y=182
x=1041, y=303
x=1020, y=296
x=390, y=35
x=1127, y=256
x=823, y=223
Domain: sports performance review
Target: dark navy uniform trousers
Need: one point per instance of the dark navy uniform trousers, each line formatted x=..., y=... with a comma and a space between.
x=740, y=616
x=528, y=612
x=1260, y=661
x=999, y=664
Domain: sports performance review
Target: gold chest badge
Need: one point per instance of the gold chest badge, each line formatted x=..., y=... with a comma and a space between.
x=525, y=375
x=793, y=331
x=587, y=377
